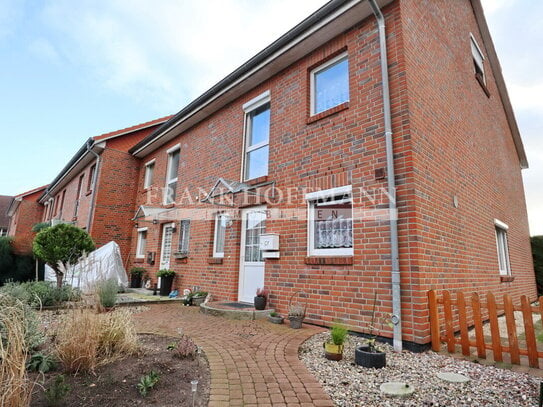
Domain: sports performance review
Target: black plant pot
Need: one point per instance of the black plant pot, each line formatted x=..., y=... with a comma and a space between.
x=363, y=357
x=260, y=303
x=135, y=281
x=166, y=285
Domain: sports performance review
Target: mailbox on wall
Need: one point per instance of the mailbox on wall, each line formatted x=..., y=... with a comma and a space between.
x=269, y=244
x=269, y=241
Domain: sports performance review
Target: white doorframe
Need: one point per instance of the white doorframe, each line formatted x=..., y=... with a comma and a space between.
x=258, y=266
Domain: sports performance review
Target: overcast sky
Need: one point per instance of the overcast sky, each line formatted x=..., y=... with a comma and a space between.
x=71, y=70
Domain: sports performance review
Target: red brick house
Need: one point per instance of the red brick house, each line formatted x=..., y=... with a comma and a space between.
x=96, y=189
x=310, y=141
x=24, y=212
x=5, y=202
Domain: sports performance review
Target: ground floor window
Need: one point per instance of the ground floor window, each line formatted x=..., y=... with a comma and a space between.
x=184, y=236
x=330, y=222
x=503, y=250
x=221, y=221
x=142, y=243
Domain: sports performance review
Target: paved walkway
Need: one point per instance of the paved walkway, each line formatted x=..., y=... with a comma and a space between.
x=253, y=363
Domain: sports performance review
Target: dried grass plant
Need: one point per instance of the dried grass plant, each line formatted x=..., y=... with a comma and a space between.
x=15, y=387
x=86, y=340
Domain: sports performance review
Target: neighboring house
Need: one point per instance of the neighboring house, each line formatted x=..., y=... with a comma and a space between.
x=5, y=201
x=24, y=212
x=96, y=189
x=294, y=142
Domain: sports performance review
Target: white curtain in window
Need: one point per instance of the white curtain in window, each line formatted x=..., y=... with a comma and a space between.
x=334, y=233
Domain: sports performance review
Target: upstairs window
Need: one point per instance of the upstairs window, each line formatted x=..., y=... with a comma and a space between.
x=149, y=170
x=171, y=175
x=78, y=195
x=221, y=221
x=478, y=60
x=257, y=136
x=142, y=243
x=503, y=250
x=184, y=236
x=90, y=181
x=329, y=84
x=330, y=222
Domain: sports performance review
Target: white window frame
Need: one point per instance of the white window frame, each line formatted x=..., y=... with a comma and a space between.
x=502, y=248
x=3, y=232
x=216, y=253
x=477, y=56
x=248, y=107
x=170, y=181
x=139, y=247
x=320, y=68
x=184, y=236
x=312, y=199
x=146, y=181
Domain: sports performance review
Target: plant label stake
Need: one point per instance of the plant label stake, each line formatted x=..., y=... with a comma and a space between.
x=194, y=387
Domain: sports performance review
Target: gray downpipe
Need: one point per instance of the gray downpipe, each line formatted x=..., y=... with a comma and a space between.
x=393, y=211
x=94, y=184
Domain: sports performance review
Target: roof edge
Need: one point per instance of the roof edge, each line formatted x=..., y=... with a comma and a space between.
x=500, y=81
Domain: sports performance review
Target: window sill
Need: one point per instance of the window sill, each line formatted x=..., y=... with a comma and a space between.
x=168, y=206
x=139, y=260
x=214, y=260
x=482, y=83
x=332, y=260
x=326, y=113
x=180, y=255
x=258, y=180
x=88, y=192
x=507, y=279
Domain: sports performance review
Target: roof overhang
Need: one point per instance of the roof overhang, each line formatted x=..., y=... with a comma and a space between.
x=500, y=82
x=79, y=161
x=328, y=22
x=149, y=211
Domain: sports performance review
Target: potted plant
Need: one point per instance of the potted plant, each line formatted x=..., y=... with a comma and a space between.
x=166, y=280
x=296, y=312
x=333, y=348
x=198, y=297
x=370, y=355
x=275, y=318
x=136, y=276
x=261, y=298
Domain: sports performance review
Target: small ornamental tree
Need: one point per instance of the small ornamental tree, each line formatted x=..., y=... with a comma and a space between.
x=61, y=244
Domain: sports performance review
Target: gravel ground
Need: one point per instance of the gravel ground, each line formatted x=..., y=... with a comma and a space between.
x=351, y=385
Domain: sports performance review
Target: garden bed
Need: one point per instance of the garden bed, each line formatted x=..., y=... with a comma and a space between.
x=115, y=384
x=351, y=385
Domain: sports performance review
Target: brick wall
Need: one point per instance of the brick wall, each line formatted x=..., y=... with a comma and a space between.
x=27, y=215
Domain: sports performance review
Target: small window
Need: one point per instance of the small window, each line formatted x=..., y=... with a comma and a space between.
x=184, y=236
x=171, y=175
x=3, y=232
x=221, y=221
x=78, y=196
x=503, y=250
x=149, y=170
x=62, y=202
x=478, y=60
x=91, y=177
x=142, y=243
x=330, y=228
x=257, y=141
x=330, y=84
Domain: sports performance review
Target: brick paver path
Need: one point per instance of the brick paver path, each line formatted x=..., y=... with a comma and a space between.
x=253, y=363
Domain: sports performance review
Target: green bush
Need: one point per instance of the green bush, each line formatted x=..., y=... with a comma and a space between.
x=537, y=254
x=14, y=267
x=63, y=243
x=41, y=293
x=107, y=292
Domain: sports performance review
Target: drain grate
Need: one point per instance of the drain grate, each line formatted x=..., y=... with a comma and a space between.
x=236, y=305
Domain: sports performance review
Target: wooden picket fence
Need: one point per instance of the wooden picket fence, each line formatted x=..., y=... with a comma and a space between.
x=442, y=308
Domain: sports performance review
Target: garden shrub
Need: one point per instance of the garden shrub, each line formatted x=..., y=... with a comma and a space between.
x=33, y=337
x=107, y=292
x=41, y=293
x=14, y=267
x=537, y=254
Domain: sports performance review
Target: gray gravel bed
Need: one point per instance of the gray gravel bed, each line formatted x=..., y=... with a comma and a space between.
x=352, y=385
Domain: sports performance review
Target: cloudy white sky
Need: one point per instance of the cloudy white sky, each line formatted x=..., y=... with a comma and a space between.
x=70, y=70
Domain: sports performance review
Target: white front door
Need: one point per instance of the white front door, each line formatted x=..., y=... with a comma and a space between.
x=166, y=247
x=251, y=272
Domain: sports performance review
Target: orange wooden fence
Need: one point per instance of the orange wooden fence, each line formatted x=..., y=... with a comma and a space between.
x=442, y=308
